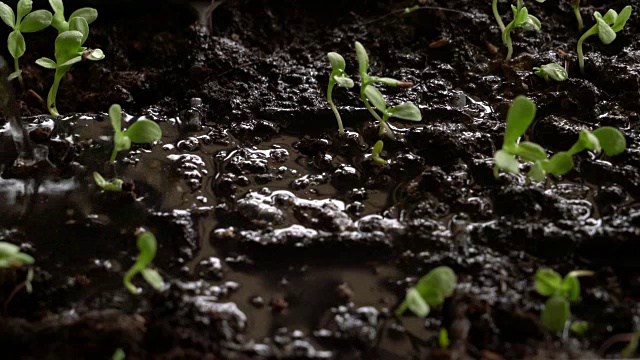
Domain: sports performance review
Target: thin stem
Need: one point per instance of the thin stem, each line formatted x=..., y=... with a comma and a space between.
x=592, y=31
x=402, y=308
x=16, y=64
x=114, y=153
x=494, y=6
x=333, y=106
x=51, y=98
x=366, y=102
x=506, y=39
x=576, y=10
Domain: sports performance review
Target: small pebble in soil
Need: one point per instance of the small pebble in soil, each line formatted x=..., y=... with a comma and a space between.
x=257, y=301
x=279, y=304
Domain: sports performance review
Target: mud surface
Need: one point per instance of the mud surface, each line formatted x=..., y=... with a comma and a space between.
x=281, y=239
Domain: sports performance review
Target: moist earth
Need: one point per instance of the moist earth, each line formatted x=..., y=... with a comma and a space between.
x=279, y=238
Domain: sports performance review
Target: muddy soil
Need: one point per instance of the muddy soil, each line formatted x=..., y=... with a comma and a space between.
x=281, y=239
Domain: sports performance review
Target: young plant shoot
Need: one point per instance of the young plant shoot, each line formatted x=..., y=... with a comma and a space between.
x=10, y=256
x=520, y=117
x=114, y=185
x=521, y=19
x=147, y=245
x=25, y=22
x=69, y=51
x=338, y=76
x=88, y=14
x=606, y=28
x=575, y=4
x=143, y=131
x=431, y=290
x=375, y=153
x=551, y=71
x=370, y=94
x=560, y=292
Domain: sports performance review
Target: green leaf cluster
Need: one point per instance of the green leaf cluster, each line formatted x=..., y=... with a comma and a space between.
x=520, y=116
x=431, y=290
x=143, y=131
x=521, y=19
x=551, y=71
x=561, y=292
x=26, y=21
x=10, y=256
x=606, y=28
x=147, y=245
x=371, y=95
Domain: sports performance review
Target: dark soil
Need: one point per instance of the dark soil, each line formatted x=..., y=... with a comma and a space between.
x=281, y=239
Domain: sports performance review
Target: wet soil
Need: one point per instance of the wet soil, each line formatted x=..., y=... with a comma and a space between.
x=281, y=239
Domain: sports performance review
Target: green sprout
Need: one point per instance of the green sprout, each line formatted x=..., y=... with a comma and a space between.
x=25, y=22
x=575, y=4
x=375, y=153
x=69, y=51
x=338, y=76
x=521, y=19
x=519, y=117
x=606, y=28
x=443, y=339
x=560, y=292
x=406, y=111
x=88, y=14
x=579, y=327
x=114, y=185
x=551, y=71
x=147, y=245
x=10, y=256
x=119, y=354
x=143, y=131
x=431, y=290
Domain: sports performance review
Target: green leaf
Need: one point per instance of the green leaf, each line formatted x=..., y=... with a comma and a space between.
x=57, y=6
x=610, y=17
x=337, y=61
x=375, y=152
x=47, y=63
x=559, y=164
x=148, y=245
x=532, y=23
x=16, y=44
x=115, y=115
x=59, y=23
x=363, y=60
x=121, y=142
x=553, y=71
x=388, y=81
x=579, y=327
x=537, y=172
x=89, y=14
x=571, y=287
x=406, y=111
x=344, y=81
x=611, y=140
x=67, y=45
x=416, y=303
x=556, y=313
x=548, y=282
x=114, y=186
x=521, y=16
x=36, y=21
x=23, y=259
x=144, y=131
x=375, y=96
x=519, y=118
x=153, y=278
x=506, y=162
x=81, y=25
x=7, y=15
x=605, y=33
x=529, y=151
x=8, y=249
x=119, y=355
x=24, y=7
x=437, y=284
x=443, y=339
x=14, y=75
x=72, y=61
x=589, y=141
x=622, y=18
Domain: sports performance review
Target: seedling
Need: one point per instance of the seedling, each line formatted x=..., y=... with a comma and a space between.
x=560, y=292
x=575, y=4
x=521, y=19
x=520, y=117
x=69, y=51
x=143, y=131
x=406, y=111
x=11, y=257
x=88, y=14
x=431, y=290
x=147, y=245
x=338, y=76
x=375, y=153
x=443, y=339
x=579, y=327
x=114, y=185
x=551, y=71
x=25, y=22
x=606, y=28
